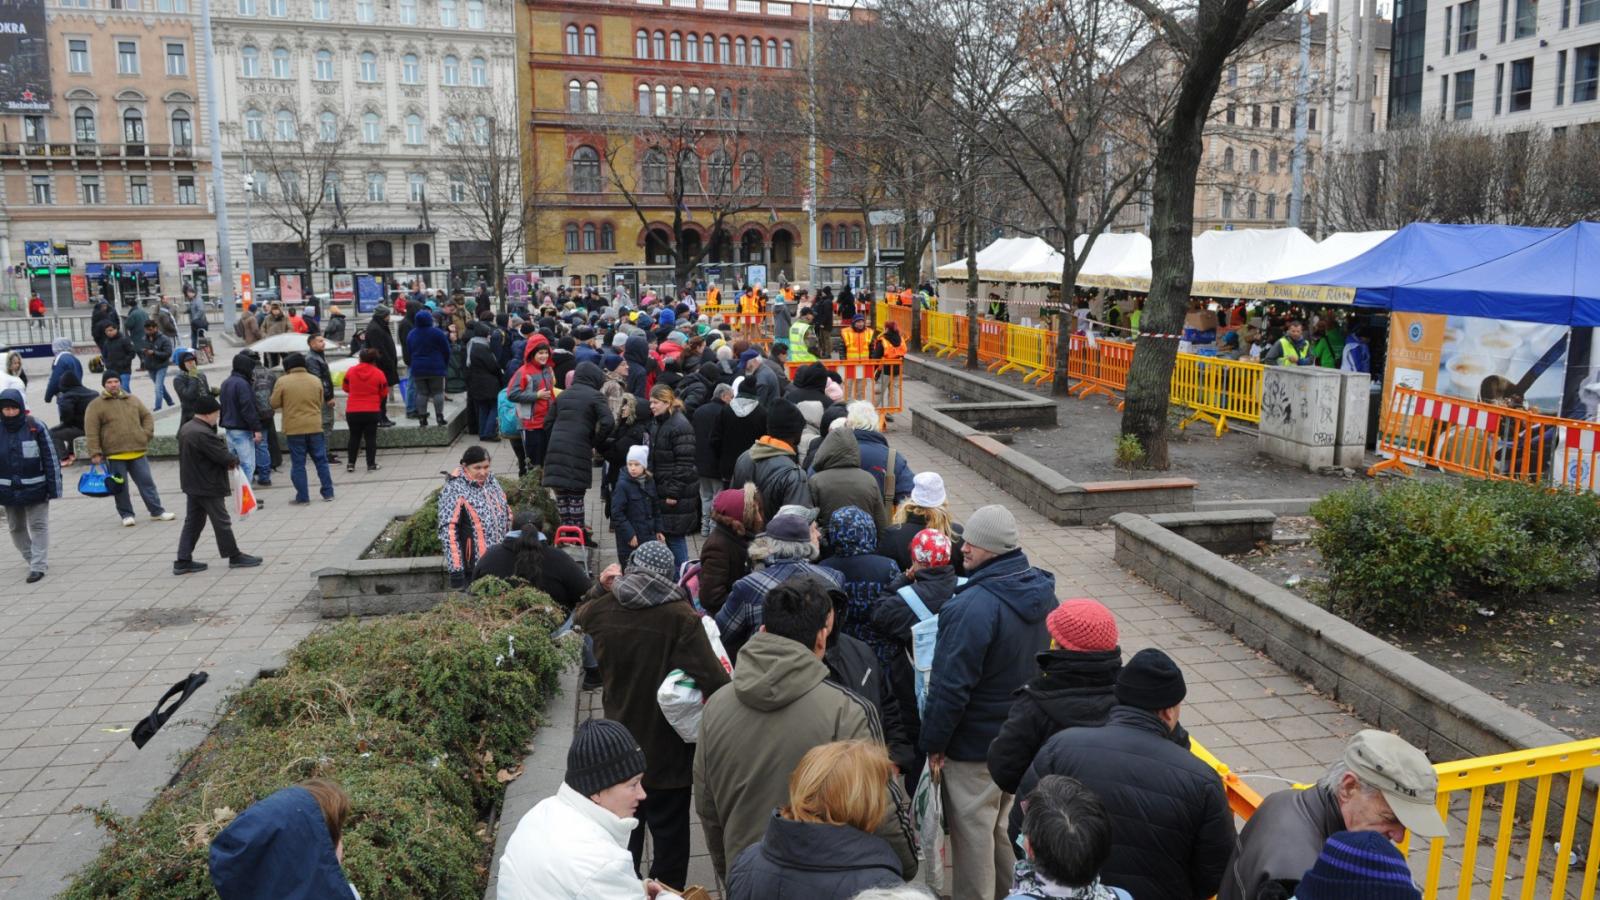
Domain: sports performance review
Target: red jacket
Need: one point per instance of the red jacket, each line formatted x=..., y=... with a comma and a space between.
x=365, y=384
x=527, y=382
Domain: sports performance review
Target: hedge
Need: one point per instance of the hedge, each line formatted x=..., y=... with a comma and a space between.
x=419, y=717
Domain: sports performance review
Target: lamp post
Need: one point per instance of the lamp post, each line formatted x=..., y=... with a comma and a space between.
x=219, y=194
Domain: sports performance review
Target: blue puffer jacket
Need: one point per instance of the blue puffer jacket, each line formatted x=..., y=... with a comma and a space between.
x=278, y=849
x=429, y=347
x=810, y=860
x=29, y=471
x=989, y=634
x=875, y=457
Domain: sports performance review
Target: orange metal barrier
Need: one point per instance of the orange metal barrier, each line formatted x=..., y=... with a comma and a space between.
x=1479, y=440
x=992, y=343
x=899, y=315
x=1577, y=455
x=1099, y=366
x=881, y=382
x=755, y=327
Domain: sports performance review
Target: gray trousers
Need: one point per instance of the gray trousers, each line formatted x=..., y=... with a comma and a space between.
x=30, y=531
x=709, y=488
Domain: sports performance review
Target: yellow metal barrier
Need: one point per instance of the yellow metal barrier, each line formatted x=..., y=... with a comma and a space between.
x=1217, y=390
x=1242, y=798
x=938, y=332
x=1032, y=351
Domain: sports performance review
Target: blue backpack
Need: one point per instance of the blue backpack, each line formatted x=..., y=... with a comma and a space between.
x=924, y=639
x=506, y=412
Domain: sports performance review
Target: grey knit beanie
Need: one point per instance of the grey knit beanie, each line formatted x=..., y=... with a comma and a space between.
x=602, y=754
x=653, y=557
x=992, y=528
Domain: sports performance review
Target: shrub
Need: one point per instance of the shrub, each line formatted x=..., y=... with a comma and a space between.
x=1129, y=453
x=1416, y=549
x=419, y=534
x=413, y=715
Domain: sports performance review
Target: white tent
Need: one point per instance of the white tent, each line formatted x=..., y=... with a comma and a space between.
x=1024, y=259
x=1115, y=261
x=1235, y=263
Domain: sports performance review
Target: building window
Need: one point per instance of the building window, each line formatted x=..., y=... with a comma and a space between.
x=572, y=238
x=458, y=190
x=780, y=181
x=755, y=51
x=591, y=41
x=1230, y=114
x=321, y=10
x=751, y=175
x=1561, y=77
x=661, y=100
x=827, y=237
x=447, y=13
x=322, y=70
x=677, y=100
x=574, y=96
x=1227, y=204
x=724, y=54
x=1585, y=73
x=83, y=128
x=78, y=56
x=371, y=128
x=1527, y=18
x=43, y=191
x=286, y=129
x=738, y=51
x=1311, y=119
x=377, y=187
x=658, y=45
x=1255, y=116
x=256, y=183
x=1250, y=207
x=280, y=63
x=1227, y=159
x=327, y=127
x=574, y=41
x=608, y=238
x=452, y=131
x=254, y=129
x=1499, y=86
x=675, y=48
x=410, y=69
x=177, y=60
x=408, y=12
x=788, y=54
x=413, y=129
x=475, y=14
x=450, y=71
x=33, y=130
x=278, y=9
x=247, y=7
x=365, y=12
x=182, y=129
x=1465, y=85
x=249, y=62
x=855, y=237
x=772, y=52
x=644, y=99
x=585, y=171
x=1272, y=206
x=641, y=44
x=138, y=190
x=654, y=171
x=127, y=57
x=1447, y=13
x=1588, y=11
x=1255, y=161
x=187, y=195
x=719, y=172
x=1272, y=162
x=416, y=186
x=89, y=188
x=589, y=237
x=367, y=66
x=1467, y=37
x=1521, y=85
x=1272, y=121
x=133, y=127
x=478, y=68
x=691, y=48
x=591, y=97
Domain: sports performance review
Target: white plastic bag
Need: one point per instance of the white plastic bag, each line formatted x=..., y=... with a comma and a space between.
x=927, y=813
x=681, y=702
x=714, y=634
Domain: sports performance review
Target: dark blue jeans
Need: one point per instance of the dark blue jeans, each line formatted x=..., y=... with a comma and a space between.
x=300, y=445
x=488, y=418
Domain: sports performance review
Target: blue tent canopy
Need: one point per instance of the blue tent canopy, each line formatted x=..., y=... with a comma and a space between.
x=1555, y=280
x=1417, y=252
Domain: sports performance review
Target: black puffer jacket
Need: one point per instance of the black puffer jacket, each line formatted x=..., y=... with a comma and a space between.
x=483, y=368
x=741, y=425
x=852, y=665
x=1072, y=690
x=380, y=339
x=812, y=861
x=582, y=422
x=672, y=465
x=707, y=437
x=695, y=389
x=778, y=478
x=1171, y=830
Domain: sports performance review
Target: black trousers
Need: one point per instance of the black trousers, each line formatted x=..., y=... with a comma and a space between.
x=666, y=813
x=363, y=426
x=200, y=509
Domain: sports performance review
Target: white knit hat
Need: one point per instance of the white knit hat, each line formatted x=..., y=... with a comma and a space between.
x=640, y=454
x=928, y=490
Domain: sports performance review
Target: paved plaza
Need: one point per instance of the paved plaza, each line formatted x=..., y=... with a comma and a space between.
x=85, y=653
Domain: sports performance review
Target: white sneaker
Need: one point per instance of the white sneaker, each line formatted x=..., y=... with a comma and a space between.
x=164, y=517
x=129, y=521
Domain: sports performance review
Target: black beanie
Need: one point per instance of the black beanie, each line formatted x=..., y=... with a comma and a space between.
x=205, y=404
x=785, y=422
x=1150, y=681
x=294, y=361
x=602, y=754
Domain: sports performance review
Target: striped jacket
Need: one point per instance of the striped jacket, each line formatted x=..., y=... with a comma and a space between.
x=473, y=517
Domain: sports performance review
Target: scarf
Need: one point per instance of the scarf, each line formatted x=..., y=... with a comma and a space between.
x=1030, y=883
x=642, y=590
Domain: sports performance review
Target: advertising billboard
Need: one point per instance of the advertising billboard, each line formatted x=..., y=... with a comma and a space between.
x=24, y=57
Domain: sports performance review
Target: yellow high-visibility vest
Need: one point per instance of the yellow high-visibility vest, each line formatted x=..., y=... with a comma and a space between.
x=858, y=344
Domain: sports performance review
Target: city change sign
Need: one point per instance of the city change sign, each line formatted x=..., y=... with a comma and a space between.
x=24, y=57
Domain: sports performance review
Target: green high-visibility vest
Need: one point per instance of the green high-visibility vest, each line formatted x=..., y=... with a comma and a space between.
x=798, y=351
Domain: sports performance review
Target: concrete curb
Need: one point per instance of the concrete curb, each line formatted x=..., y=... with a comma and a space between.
x=542, y=769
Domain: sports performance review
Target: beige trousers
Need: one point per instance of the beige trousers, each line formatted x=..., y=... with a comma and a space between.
x=976, y=812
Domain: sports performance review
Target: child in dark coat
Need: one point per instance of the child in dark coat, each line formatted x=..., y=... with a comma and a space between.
x=633, y=505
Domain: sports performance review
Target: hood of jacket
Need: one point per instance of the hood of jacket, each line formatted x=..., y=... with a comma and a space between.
x=14, y=396
x=1075, y=670
x=278, y=847
x=642, y=590
x=762, y=451
x=637, y=352
x=1029, y=592
x=839, y=450
x=774, y=672
x=815, y=847
x=424, y=319
x=744, y=406
x=589, y=375
x=852, y=532
x=813, y=377
x=535, y=341
x=244, y=364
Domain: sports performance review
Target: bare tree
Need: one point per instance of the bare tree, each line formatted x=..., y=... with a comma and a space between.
x=1200, y=39
x=302, y=165
x=482, y=164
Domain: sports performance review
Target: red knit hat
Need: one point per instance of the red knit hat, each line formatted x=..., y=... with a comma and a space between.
x=931, y=548
x=1084, y=625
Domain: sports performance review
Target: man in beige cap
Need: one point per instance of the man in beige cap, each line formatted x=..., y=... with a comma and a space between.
x=1382, y=784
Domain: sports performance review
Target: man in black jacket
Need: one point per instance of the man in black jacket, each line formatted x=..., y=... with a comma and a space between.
x=1171, y=829
x=706, y=434
x=203, y=465
x=379, y=339
x=853, y=665
x=117, y=353
x=241, y=420
x=773, y=463
x=317, y=364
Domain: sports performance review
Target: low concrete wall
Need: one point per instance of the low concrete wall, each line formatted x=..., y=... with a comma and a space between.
x=1227, y=531
x=976, y=390
x=1387, y=687
x=379, y=587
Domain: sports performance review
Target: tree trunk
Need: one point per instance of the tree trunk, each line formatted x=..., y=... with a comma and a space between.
x=1178, y=155
x=969, y=213
x=872, y=259
x=1064, y=322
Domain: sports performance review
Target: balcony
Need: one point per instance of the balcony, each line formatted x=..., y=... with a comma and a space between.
x=32, y=150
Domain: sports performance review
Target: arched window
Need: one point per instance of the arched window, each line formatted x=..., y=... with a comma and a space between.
x=590, y=41
x=452, y=131
x=738, y=51
x=254, y=125
x=689, y=171
x=1255, y=162
x=751, y=176
x=608, y=237
x=480, y=130
x=182, y=128
x=719, y=172
x=589, y=237
x=410, y=69
x=1227, y=159
x=788, y=54
x=691, y=48
x=585, y=170
x=574, y=42
x=708, y=49
x=280, y=62
x=572, y=238
x=285, y=125
x=371, y=128
x=677, y=100
x=781, y=182
x=450, y=70
x=675, y=45
x=855, y=237
x=133, y=127
x=83, y=127
x=772, y=52
x=644, y=99
x=323, y=69
x=249, y=62
x=367, y=69
x=661, y=100
x=708, y=106
x=744, y=103
x=327, y=127
x=654, y=172
x=641, y=44
x=727, y=104
x=591, y=97
x=658, y=45
x=478, y=68
x=755, y=51
x=574, y=96
x=723, y=55
x=693, y=108
x=827, y=237
x=414, y=129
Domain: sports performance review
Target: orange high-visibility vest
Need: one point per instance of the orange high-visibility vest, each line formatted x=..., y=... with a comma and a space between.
x=905, y=297
x=788, y=294
x=749, y=303
x=858, y=344
x=713, y=296
x=891, y=351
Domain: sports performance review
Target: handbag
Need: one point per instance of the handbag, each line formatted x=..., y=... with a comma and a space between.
x=96, y=482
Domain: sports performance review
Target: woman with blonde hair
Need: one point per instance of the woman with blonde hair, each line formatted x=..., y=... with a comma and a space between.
x=821, y=846
x=927, y=507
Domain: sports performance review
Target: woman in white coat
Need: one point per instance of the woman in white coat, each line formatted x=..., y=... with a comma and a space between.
x=574, y=846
